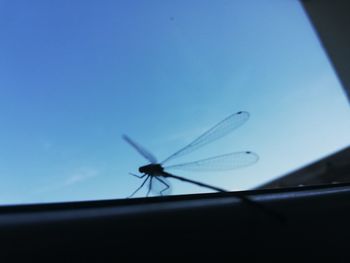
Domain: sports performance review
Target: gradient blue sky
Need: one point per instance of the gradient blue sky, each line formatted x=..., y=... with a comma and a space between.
x=76, y=75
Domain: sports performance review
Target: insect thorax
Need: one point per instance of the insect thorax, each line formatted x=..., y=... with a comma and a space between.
x=151, y=169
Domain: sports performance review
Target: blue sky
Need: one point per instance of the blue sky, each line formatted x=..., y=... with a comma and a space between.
x=75, y=76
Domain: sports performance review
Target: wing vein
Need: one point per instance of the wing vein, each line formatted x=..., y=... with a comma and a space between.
x=219, y=163
x=219, y=130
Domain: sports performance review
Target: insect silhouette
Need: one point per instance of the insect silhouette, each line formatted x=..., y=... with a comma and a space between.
x=156, y=173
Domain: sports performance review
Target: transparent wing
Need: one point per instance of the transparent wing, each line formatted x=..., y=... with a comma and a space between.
x=219, y=130
x=219, y=163
x=159, y=185
x=150, y=157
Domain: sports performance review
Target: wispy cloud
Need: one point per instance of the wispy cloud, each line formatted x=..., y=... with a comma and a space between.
x=76, y=176
x=81, y=175
x=47, y=145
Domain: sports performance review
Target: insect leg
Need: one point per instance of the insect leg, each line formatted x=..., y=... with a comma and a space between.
x=138, y=176
x=164, y=183
x=143, y=183
x=149, y=187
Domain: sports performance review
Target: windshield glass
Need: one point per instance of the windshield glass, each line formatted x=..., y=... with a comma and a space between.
x=232, y=94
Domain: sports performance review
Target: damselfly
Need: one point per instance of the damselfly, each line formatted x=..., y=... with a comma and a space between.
x=156, y=173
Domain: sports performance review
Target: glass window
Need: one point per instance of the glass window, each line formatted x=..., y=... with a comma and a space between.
x=78, y=75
